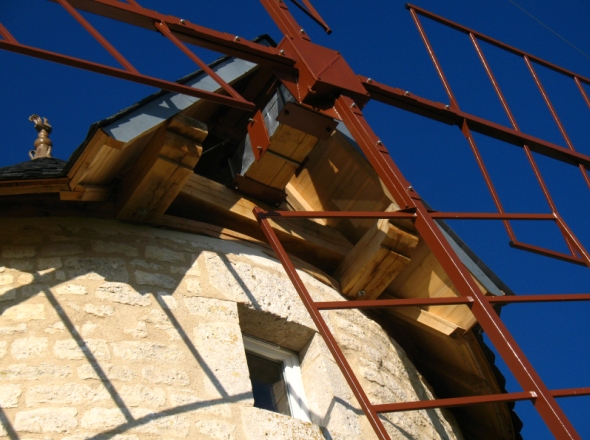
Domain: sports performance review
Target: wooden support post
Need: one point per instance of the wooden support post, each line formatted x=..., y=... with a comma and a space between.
x=156, y=178
x=375, y=261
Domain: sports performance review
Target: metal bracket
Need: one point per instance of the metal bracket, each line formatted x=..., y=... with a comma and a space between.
x=258, y=135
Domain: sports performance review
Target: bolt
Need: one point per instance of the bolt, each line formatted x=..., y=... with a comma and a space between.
x=361, y=293
x=142, y=211
x=182, y=21
x=235, y=187
x=447, y=107
x=302, y=31
x=379, y=143
x=406, y=93
x=370, y=80
x=251, y=120
x=237, y=38
x=259, y=148
x=353, y=105
x=281, y=52
x=410, y=188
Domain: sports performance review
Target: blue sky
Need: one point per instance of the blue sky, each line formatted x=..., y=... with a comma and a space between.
x=379, y=40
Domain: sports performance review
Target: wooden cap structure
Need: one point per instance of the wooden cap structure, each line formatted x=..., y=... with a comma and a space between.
x=43, y=144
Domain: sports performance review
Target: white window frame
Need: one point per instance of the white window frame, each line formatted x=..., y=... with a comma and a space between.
x=291, y=373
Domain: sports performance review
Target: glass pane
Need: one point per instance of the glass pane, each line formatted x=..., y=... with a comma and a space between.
x=268, y=385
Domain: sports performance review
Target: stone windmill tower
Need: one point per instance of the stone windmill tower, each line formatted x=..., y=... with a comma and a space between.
x=238, y=257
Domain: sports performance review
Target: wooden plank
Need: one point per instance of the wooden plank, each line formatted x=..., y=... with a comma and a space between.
x=155, y=180
x=188, y=127
x=298, y=203
x=375, y=260
x=291, y=147
x=426, y=320
x=99, y=141
x=33, y=186
x=424, y=277
x=210, y=201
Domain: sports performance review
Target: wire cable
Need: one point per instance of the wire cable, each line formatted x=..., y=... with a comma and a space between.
x=547, y=27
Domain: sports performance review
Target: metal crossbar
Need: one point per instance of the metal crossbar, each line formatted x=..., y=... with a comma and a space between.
x=314, y=308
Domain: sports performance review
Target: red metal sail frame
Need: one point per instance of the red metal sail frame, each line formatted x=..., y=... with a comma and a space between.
x=300, y=66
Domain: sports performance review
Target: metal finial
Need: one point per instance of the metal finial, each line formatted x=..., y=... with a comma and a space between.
x=43, y=144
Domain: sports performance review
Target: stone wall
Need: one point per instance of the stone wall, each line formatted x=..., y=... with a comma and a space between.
x=117, y=331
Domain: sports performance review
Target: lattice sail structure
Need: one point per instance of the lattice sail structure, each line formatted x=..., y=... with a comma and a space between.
x=321, y=81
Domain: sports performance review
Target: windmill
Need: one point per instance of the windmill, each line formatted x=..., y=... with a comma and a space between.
x=322, y=82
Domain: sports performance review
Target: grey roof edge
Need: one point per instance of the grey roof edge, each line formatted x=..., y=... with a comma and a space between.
x=264, y=39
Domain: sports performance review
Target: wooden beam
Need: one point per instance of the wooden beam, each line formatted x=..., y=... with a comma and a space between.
x=159, y=174
x=424, y=277
x=288, y=148
x=205, y=200
x=84, y=163
x=375, y=261
x=33, y=186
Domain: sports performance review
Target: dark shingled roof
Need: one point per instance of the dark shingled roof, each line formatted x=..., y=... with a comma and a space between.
x=42, y=168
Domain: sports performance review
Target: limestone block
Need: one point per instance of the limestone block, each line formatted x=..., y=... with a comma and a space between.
x=155, y=279
x=90, y=436
x=7, y=293
x=193, y=286
x=113, y=372
x=194, y=270
x=24, y=348
x=140, y=330
x=88, y=328
x=34, y=290
x=100, y=311
x=329, y=399
x=139, y=395
x=146, y=351
x=97, y=268
x=49, y=263
x=167, y=300
x=25, y=278
x=145, y=265
x=71, y=289
x=11, y=330
x=217, y=429
x=34, y=372
x=102, y=418
x=183, y=396
x=6, y=279
x=60, y=275
x=212, y=309
x=221, y=346
x=257, y=288
x=163, y=254
x=168, y=376
x=24, y=312
x=61, y=249
x=70, y=349
x=9, y=395
x=18, y=251
x=259, y=424
x=122, y=293
x=176, y=426
x=65, y=394
x=21, y=265
x=114, y=248
x=46, y=420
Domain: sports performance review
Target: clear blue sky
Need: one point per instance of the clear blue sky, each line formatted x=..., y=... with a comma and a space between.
x=379, y=40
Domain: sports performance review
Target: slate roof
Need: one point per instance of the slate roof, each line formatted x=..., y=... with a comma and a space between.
x=42, y=168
